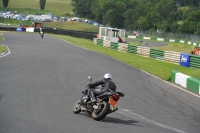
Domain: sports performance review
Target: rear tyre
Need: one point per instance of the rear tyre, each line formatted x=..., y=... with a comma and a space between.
x=101, y=113
x=77, y=107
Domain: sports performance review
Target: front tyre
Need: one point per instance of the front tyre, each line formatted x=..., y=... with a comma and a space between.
x=101, y=112
x=77, y=107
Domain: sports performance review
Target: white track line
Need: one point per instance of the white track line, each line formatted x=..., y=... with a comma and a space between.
x=139, y=117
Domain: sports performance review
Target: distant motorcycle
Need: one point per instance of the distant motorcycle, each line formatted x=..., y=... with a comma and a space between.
x=106, y=103
x=41, y=34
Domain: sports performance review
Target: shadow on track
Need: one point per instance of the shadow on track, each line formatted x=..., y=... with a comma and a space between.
x=113, y=120
x=120, y=121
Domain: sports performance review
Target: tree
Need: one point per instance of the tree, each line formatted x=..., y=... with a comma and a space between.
x=42, y=4
x=82, y=8
x=5, y=3
x=143, y=23
x=191, y=24
x=115, y=15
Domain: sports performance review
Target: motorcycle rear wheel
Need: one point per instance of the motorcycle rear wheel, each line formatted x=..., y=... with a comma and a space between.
x=104, y=109
x=77, y=107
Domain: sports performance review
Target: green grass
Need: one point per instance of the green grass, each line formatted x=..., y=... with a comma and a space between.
x=14, y=22
x=69, y=25
x=72, y=25
x=58, y=7
x=160, y=69
x=176, y=47
x=2, y=48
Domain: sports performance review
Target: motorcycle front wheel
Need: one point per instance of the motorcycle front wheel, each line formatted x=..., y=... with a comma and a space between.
x=101, y=112
x=77, y=107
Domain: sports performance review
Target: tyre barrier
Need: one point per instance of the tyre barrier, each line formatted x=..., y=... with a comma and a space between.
x=78, y=34
x=194, y=61
x=169, y=56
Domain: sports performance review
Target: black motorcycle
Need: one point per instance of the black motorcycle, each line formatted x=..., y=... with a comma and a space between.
x=41, y=34
x=106, y=103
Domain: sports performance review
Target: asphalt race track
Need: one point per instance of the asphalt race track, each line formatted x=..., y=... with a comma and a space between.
x=150, y=43
x=41, y=79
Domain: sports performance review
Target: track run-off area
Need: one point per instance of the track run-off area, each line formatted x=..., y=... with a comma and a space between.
x=41, y=80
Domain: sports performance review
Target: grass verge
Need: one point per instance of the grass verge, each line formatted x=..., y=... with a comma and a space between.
x=73, y=25
x=172, y=46
x=158, y=68
x=2, y=48
x=14, y=22
x=58, y=7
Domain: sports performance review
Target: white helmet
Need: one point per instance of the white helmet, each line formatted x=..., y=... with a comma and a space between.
x=107, y=76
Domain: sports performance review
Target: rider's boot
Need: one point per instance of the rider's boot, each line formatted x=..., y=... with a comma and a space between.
x=93, y=98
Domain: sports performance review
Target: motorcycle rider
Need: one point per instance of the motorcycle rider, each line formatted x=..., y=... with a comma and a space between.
x=41, y=30
x=106, y=83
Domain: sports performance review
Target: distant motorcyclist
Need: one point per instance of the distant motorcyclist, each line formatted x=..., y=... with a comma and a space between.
x=106, y=83
x=41, y=30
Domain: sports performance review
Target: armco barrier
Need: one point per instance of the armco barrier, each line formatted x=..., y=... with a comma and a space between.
x=157, y=54
x=194, y=61
x=186, y=81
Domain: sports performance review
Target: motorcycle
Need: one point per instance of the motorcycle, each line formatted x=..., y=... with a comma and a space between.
x=106, y=103
x=41, y=34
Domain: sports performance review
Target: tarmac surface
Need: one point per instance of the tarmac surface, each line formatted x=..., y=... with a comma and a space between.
x=150, y=43
x=41, y=80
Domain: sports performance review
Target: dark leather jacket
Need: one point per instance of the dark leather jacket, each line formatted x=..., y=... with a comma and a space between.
x=106, y=84
x=41, y=30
